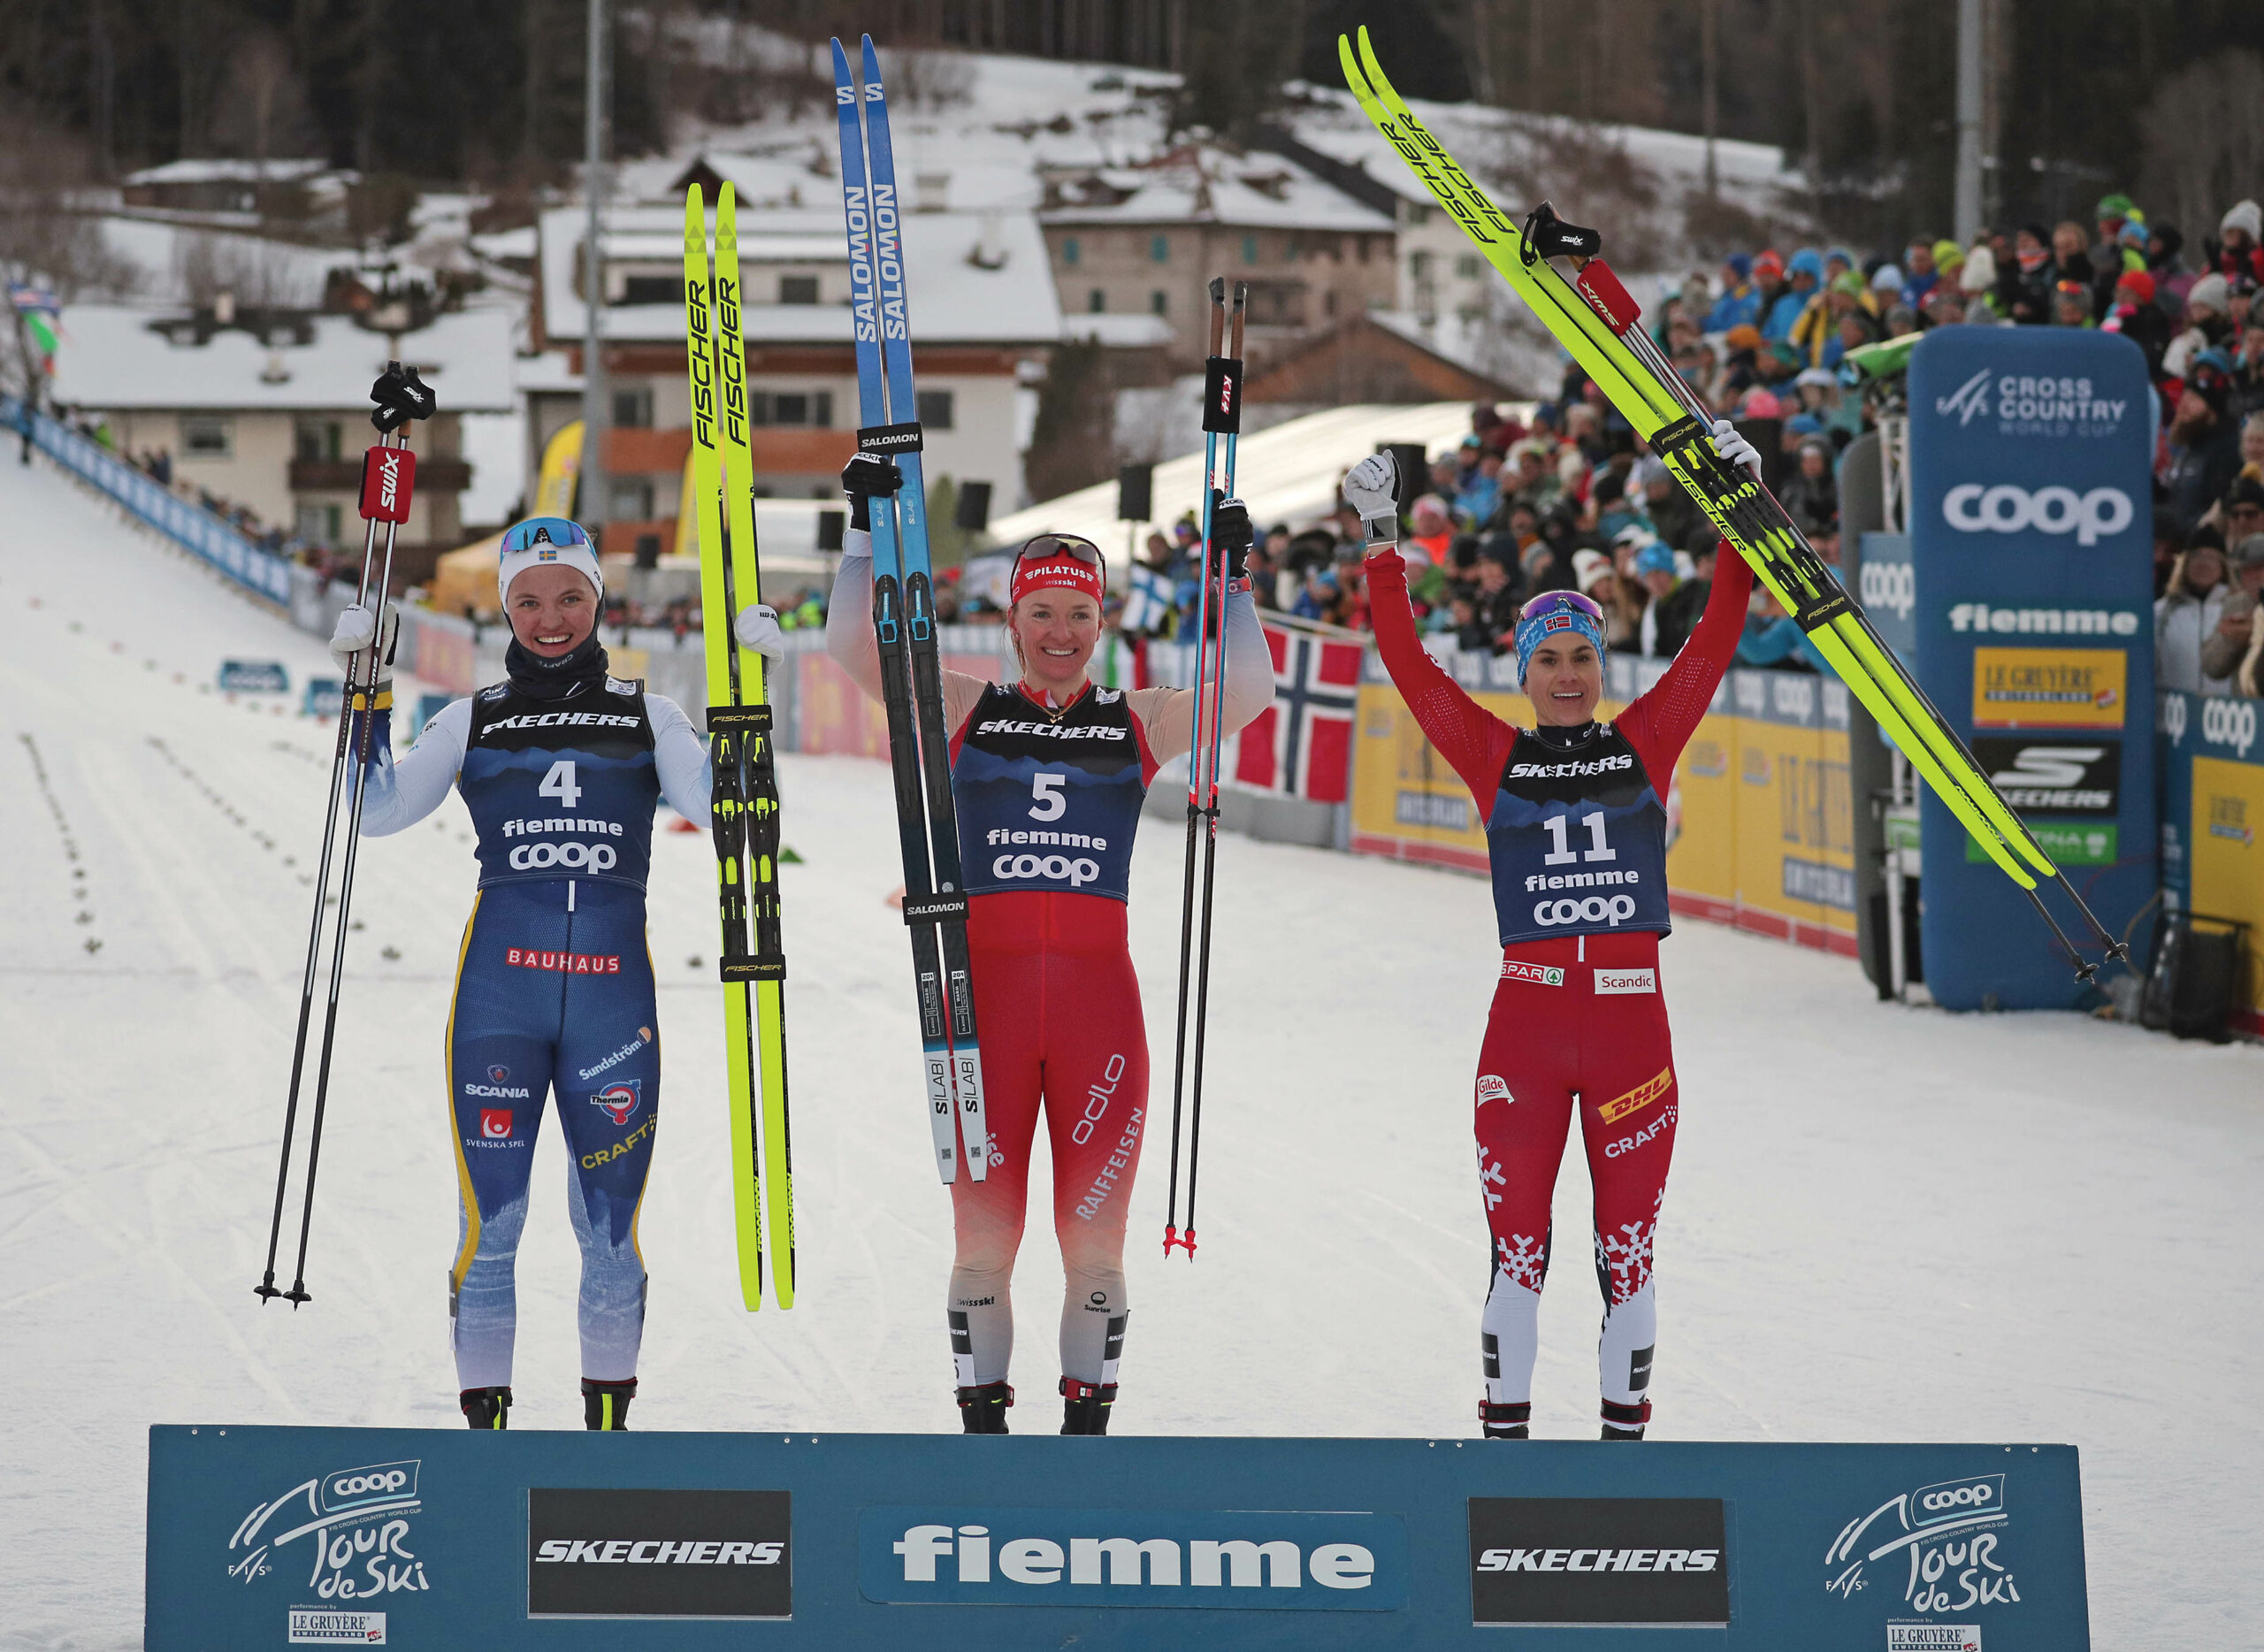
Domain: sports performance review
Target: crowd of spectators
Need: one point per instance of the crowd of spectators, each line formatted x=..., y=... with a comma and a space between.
x=1572, y=499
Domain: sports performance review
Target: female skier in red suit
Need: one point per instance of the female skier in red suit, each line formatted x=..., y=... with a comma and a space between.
x=1576, y=830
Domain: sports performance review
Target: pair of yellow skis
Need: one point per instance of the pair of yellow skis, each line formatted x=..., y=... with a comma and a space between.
x=1597, y=323
x=745, y=795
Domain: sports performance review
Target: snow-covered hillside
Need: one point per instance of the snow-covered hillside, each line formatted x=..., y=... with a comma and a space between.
x=1883, y=1224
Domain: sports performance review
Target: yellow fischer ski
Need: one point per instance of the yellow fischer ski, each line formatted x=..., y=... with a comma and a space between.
x=761, y=799
x=1596, y=320
x=734, y=725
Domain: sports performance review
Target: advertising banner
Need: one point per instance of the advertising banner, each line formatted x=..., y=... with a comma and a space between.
x=1760, y=825
x=449, y=1538
x=2212, y=754
x=2032, y=586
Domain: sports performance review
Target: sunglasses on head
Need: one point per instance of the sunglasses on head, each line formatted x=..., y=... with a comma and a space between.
x=1562, y=602
x=557, y=531
x=1068, y=544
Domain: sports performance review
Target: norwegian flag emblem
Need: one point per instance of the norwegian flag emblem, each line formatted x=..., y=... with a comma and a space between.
x=1301, y=746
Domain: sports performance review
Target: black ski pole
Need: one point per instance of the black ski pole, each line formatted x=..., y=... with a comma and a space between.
x=265, y=1289
x=388, y=475
x=1228, y=407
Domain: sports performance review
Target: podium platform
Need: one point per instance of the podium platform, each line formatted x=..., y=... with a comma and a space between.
x=429, y=1538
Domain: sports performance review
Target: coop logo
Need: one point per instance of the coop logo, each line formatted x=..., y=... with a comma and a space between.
x=359, y=1519
x=593, y=857
x=1126, y=1557
x=2229, y=722
x=1058, y=868
x=1890, y=585
x=1943, y=1543
x=2005, y=509
x=1594, y=909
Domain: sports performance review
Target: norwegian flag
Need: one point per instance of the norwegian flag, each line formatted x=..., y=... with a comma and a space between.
x=1301, y=746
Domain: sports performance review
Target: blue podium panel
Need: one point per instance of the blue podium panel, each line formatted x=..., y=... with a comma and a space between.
x=281, y=1537
x=2032, y=559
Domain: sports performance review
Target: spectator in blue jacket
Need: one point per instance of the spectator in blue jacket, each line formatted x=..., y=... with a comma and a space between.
x=1739, y=303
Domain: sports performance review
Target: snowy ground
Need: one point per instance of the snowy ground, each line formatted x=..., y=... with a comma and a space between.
x=1883, y=1224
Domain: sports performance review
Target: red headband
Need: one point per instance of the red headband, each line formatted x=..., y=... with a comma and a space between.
x=1059, y=571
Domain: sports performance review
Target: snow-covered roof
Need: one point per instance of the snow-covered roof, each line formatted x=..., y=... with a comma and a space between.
x=222, y=170
x=112, y=357
x=976, y=278
x=1288, y=473
x=1209, y=185
x=1128, y=332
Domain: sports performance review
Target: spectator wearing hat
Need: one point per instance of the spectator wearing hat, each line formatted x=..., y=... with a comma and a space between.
x=1810, y=495
x=2024, y=288
x=2138, y=318
x=1740, y=304
x=1432, y=529
x=1481, y=494
x=2186, y=616
x=2204, y=448
x=2229, y=648
x=1674, y=605
x=1740, y=370
x=2113, y=213
x=1980, y=285
x=2239, y=515
x=2071, y=303
x=2165, y=262
x=1777, y=304
x=2236, y=250
x=2208, y=324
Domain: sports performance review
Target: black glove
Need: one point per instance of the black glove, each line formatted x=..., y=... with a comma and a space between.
x=1231, y=534
x=864, y=476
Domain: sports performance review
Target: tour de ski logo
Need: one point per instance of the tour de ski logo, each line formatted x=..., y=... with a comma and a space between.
x=1943, y=1543
x=620, y=1100
x=358, y=1522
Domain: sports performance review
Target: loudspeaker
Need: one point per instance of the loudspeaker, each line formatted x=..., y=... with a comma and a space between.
x=974, y=509
x=1135, y=492
x=830, y=523
x=1414, y=471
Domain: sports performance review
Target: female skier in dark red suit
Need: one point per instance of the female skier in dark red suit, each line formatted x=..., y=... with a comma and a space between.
x=1576, y=830
x=1048, y=774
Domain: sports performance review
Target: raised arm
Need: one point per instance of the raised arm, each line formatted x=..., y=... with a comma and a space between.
x=1467, y=735
x=1246, y=687
x=850, y=639
x=1661, y=722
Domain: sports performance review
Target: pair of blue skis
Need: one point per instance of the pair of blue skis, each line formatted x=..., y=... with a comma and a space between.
x=903, y=618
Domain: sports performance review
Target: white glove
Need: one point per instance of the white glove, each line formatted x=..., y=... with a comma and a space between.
x=1735, y=448
x=757, y=628
x=1371, y=488
x=349, y=642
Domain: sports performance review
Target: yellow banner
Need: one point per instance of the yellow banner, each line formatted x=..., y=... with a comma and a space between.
x=2227, y=862
x=2049, y=688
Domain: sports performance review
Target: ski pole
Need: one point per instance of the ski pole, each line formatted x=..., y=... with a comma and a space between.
x=1230, y=412
x=265, y=1289
x=1221, y=416
x=388, y=473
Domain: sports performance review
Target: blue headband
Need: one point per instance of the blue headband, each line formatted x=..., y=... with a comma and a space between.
x=1556, y=611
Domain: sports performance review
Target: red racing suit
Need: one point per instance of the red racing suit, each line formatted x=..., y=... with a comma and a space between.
x=1042, y=816
x=1578, y=1019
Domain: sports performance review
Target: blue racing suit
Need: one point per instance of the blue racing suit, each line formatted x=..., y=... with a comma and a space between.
x=553, y=992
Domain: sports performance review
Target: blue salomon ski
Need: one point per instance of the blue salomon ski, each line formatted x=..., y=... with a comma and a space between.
x=935, y=897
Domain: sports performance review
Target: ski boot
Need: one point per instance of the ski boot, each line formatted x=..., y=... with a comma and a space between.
x=605, y=1405
x=1626, y=1422
x=1085, y=1406
x=487, y=1408
x=1506, y=1421
x=982, y=1410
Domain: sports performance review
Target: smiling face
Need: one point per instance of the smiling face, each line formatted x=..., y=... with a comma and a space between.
x=551, y=610
x=1055, y=631
x=1565, y=679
